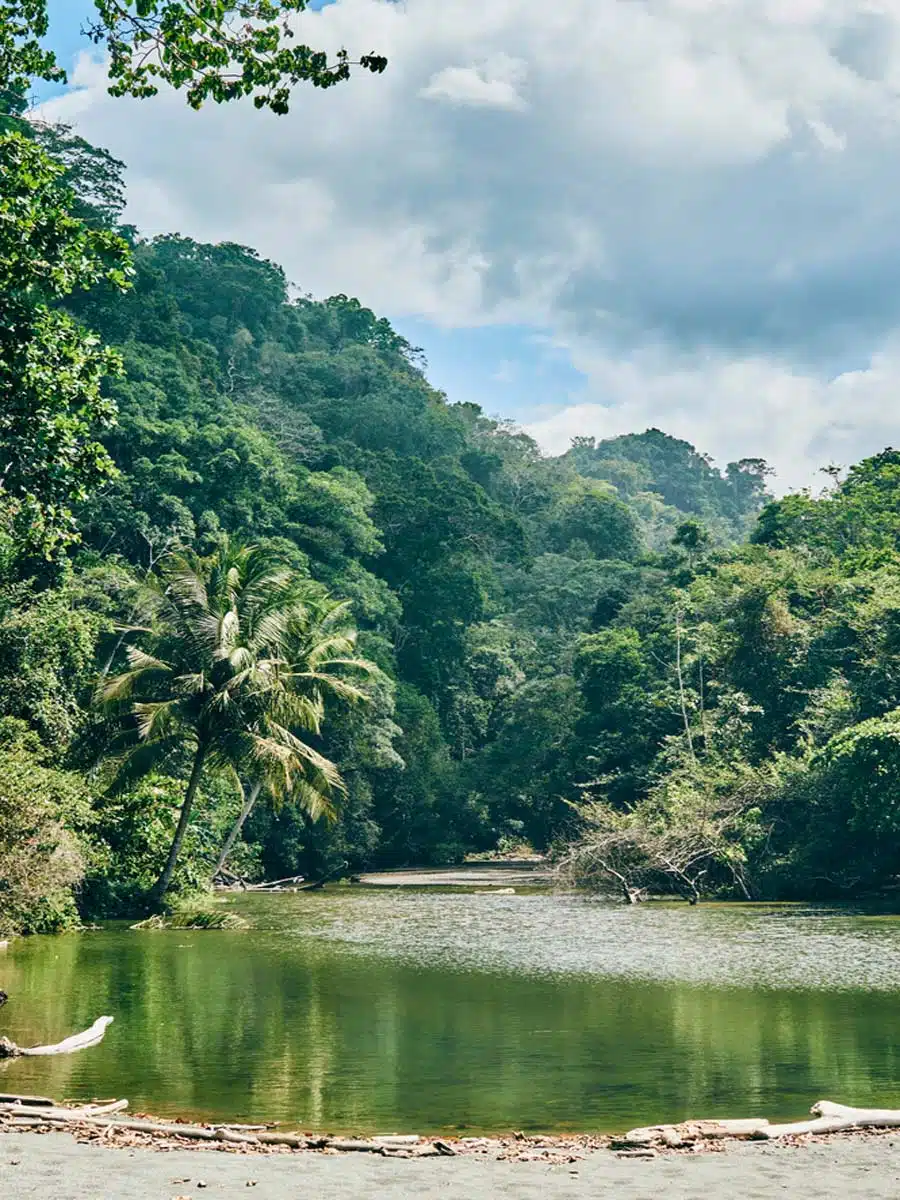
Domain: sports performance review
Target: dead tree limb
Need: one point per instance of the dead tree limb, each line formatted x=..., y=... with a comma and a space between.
x=827, y=1117
x=78, y=1041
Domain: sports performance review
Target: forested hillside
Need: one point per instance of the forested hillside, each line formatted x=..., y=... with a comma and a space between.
x=610, y=654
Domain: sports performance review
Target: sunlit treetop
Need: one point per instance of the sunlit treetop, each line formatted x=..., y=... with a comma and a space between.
x=212, y=49
x=22, y=58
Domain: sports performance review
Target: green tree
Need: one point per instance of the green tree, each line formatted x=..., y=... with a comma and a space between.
x=41, y=858
x=851, y=834
x=591, y=514
x=215, y=49
x=212, y=678
x=51, y=369
x=23, y=57
x=93, y=174
x=524, y=772
x=654, y=462
x=51, y=629
x=855, y=520
x=319, y=646
x=691, y=536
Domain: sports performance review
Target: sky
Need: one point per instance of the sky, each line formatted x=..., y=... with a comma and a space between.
x=595, y=216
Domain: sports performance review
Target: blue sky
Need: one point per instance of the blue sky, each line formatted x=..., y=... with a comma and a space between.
x=66, y=20
x=681, y=213
x=508, y=369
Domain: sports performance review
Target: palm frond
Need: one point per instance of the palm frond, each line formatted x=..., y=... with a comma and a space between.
x=343, y=689
x=140, y=661
x=185, y=585
x=203, y=627
x=191, y=683
x=315, y=803
x=285, y=747
x=292, y=708
x=331, y=649
x=113, y=689
x=141, y=759
x=238, y=654
x=271, y=630
x=157, y=720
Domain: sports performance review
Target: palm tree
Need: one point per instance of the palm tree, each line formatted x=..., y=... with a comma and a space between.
x=209, y=671
x=319, y=649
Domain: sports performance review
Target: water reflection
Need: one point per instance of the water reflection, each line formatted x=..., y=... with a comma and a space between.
x=385, y=1011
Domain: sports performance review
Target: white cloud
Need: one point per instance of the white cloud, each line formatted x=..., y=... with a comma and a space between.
x=734, y=408
x=495, y=85
x=827, y=138
x=698, y=197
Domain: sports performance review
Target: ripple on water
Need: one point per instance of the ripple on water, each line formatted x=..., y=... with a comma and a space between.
x=782, y=947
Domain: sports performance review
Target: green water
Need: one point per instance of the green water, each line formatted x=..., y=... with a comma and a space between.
x=374, y=1010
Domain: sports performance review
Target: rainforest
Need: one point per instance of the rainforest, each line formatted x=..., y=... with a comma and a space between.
x=273, y=606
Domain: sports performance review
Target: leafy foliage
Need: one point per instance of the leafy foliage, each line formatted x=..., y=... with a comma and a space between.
x=785, y=675
x=683, y=478
x=51, y=370
x=232, y=668
x=41, y=809
x=23, y=57
x=621, y=655
x=215, y=49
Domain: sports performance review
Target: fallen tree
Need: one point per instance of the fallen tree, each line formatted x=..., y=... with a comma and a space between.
x=35, y=1111
x=39, y=1111
x=227, y=882
x=78, y=1041
x=827, y=1117
x=667, y=844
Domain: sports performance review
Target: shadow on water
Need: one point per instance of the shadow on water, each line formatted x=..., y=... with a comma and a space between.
x=380, y=1010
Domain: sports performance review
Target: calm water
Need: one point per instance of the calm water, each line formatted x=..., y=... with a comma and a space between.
x=379, y=1010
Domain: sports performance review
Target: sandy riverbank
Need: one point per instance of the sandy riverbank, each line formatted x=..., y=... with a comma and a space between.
x=56, y=1167
x=522, y=873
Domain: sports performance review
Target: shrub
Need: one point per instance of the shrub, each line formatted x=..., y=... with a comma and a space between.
x=42, y=857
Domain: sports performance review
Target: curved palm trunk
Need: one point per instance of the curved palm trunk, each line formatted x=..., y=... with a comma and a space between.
x=162, y=884
x=246, y=809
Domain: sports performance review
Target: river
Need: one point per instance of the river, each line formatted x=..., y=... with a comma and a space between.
x=381, y=1009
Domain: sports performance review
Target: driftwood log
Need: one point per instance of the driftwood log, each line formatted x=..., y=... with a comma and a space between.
x=78, y=1041
x=827, y=1117
x=227, y=882
x=832, y=1118
x=35, y=1111
x=275, y=885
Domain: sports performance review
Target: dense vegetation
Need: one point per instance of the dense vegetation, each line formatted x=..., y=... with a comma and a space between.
x=265, y=591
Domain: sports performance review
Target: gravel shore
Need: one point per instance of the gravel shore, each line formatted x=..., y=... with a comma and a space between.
x=59, y=1168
